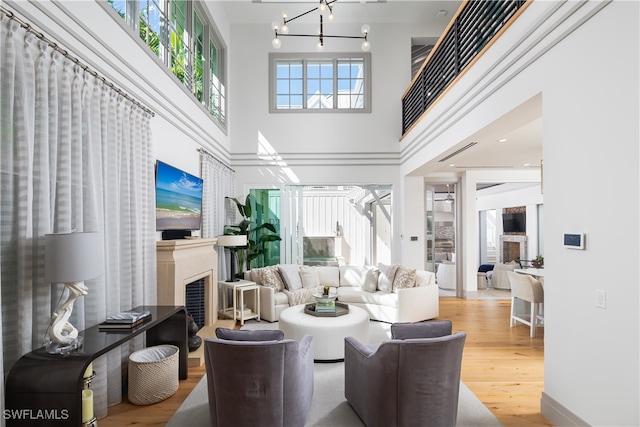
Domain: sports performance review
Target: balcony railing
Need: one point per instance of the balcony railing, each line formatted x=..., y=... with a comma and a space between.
x=469, y=34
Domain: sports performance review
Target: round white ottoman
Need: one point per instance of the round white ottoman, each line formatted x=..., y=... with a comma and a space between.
x=328, y=332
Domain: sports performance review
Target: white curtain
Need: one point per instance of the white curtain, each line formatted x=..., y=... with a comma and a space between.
x=75, y=155
x=219, y=182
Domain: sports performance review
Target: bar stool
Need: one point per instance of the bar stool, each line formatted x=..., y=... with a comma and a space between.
x=526, y=288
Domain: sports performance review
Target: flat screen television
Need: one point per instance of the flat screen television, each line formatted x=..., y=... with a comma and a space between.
x=514, y=222
x=178, y=199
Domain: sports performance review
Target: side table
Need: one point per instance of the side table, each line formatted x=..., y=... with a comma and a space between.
x=237, y=310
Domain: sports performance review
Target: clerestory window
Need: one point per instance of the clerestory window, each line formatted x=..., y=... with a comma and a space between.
x=320, y=82
x=183, y=36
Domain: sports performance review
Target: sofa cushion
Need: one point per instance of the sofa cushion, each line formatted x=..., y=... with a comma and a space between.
x=270, y=276
x=290, y=276
x=329, y=276
x=280, y=298
x=405, y=278
x=354, y=295
x=385, y=277
x=248, y=335
x=365, y=277
x=309, y=276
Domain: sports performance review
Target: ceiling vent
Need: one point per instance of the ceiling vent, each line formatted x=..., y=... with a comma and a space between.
x=455, y=153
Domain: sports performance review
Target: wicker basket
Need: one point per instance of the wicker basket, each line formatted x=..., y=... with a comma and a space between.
x=153, y=374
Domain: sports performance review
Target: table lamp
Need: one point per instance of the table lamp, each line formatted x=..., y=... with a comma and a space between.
x=69, y=258
x=233, y=241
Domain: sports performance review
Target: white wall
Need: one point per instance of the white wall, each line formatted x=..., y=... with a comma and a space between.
x=319, y=148
x=567, y=52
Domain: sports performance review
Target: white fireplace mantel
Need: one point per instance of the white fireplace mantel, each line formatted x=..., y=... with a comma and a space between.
x=184, y=261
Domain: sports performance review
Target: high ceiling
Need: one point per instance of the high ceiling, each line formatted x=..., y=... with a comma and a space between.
x=345, y=11
x=521, y=128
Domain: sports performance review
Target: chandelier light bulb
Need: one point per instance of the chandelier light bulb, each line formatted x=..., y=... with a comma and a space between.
x=320, y=47
x=365, y=29
x=365, y=46
x=322, y=8
x=275, y=26
x=284, y=29
x=331, y=15
x=276, y=43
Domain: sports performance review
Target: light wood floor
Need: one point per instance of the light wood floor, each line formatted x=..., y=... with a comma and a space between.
x=501, y=365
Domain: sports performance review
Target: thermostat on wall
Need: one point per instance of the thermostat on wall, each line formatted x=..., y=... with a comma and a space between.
x=573, y=240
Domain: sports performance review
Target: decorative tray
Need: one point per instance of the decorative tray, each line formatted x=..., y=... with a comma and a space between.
x=341, y=310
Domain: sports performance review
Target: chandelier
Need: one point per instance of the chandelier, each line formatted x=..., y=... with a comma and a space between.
x=324, y=8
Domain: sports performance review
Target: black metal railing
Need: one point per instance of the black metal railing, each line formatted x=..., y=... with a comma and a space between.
x=475, y=24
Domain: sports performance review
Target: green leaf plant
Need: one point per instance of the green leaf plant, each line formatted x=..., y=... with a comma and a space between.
x=258, y=235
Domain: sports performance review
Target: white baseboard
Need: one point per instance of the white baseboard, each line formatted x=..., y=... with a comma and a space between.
x=558, y=414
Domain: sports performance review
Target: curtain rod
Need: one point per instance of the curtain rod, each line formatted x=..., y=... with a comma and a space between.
x=67, y=55
x=203, y=151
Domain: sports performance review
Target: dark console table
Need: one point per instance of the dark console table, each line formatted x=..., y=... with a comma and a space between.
x=46, y=385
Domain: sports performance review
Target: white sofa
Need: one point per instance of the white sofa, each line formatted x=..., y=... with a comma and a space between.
x=385, y=298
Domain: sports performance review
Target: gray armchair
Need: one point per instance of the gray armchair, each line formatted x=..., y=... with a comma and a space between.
x=257, y=378
x=411, y=380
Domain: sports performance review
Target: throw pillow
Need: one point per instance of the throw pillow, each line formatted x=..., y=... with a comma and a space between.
x=385, y=276
x=309, y=276
x=429, y=329
x=364, y=277
x=290, y=276
x=248, y=335
x=405, y=278
x=370, y=280
x=270, y=277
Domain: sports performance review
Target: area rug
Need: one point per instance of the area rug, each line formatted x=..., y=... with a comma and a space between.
x=329, y=408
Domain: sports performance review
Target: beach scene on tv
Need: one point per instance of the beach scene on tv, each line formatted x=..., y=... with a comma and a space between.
x=178, y=199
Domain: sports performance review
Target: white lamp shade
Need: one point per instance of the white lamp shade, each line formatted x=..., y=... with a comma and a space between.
x=232, y=240
x=72, y=257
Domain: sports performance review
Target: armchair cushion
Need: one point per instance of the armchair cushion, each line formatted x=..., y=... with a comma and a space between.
x=247, y=335
x=428, y=329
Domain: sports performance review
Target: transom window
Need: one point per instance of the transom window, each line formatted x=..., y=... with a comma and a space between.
x=183, y=36
x=319, y=82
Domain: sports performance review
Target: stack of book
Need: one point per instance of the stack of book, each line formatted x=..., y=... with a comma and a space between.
x=326, y=307
x=125, y=320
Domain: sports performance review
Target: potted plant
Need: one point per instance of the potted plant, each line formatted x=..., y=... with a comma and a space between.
x=258, y=236
x=538, y=261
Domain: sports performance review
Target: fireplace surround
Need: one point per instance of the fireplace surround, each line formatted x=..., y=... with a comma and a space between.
x=512, y=246
x=184, y=261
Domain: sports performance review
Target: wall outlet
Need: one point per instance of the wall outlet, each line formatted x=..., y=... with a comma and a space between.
x=601, y=298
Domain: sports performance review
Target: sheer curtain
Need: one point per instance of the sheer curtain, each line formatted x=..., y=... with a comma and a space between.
x=219, y=182
x=74, y=155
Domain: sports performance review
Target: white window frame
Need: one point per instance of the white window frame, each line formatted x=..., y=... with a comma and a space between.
x=212, y=90
x=274, y=58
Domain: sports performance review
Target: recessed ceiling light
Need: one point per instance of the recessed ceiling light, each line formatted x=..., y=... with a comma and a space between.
x=526, y=164
x=441, y=13
x=451, y=165
x=502, y=140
